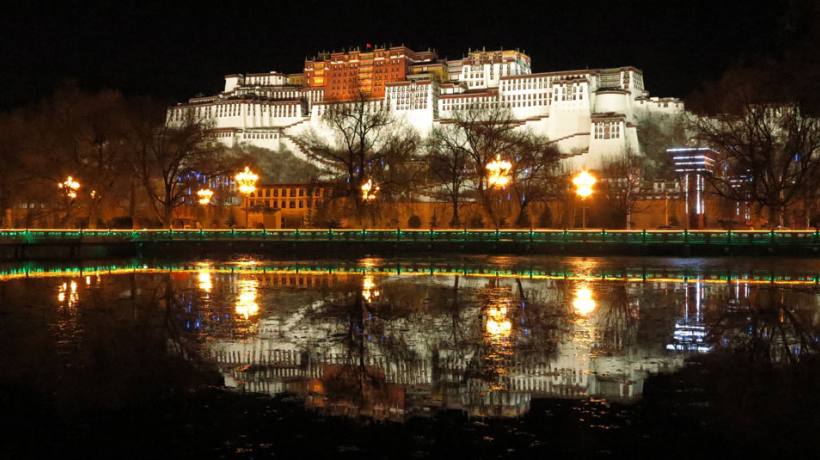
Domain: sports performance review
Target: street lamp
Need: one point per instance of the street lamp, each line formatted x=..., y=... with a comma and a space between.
x=499, y=171
x=369, y=190
x=247, y=185
x=204, y=195
x=69, y=187
x=583, y=182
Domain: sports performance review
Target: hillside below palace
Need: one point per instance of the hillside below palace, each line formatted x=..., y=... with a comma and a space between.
x=590, y=114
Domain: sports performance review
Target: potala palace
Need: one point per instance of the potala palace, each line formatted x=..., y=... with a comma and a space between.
x=590, y=114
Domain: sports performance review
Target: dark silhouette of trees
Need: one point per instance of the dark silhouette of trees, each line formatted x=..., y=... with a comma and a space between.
x=367, y=143
x=621, y=184
x=170, y=159
x=447, y=161
x=474, y=137
x=534, y=175
x=770, y=146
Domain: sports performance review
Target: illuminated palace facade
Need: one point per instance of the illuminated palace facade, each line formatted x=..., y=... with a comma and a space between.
x=591, y=114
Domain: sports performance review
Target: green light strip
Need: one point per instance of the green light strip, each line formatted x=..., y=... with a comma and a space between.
x=693, y=237
x=30, y=270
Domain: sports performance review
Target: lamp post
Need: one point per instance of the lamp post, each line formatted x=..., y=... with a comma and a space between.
x=369, y=190
x=205, y=195
x=69, y=188
x=499, y=172
x=583, y=182
x=247, y=185
x=498, y=176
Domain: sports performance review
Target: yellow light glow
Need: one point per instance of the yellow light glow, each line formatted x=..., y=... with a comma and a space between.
x=369, y=291
x=67, y=292
x=203, y=277
x=583, y=182
x=369, y=190
x=498, y=170
x=246, y=302
x=69, y=187
x=584, y=304
x=204, y=195
x=498, y=325
x=247, y=181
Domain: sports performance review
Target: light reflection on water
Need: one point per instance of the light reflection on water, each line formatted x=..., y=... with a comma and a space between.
x=394, y=344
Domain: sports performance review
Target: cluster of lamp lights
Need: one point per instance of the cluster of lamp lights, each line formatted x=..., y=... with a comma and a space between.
x=583, y=182
x=499, y=177
x=369, y=190
x=204, y=195
x=69, y=186
x=498, y=172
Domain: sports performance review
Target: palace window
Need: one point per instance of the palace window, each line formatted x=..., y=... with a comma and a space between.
x=608, y=130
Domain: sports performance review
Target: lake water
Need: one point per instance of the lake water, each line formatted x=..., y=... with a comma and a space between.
x=472, y=356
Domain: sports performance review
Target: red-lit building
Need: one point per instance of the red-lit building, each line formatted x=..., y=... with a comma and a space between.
x=346, y=75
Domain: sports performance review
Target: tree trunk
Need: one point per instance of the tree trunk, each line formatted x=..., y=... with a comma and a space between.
x=523, y=219
x=93, y=211
x=455, y=222
x=168, y=213
x=132, y=205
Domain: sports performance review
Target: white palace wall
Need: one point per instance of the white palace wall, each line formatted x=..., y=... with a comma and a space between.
x=592, y=115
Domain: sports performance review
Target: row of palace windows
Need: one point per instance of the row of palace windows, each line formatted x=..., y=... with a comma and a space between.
x=284, y=204
x=284, y=192
x=607, y=130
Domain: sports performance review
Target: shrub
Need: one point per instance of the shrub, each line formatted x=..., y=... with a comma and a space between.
x=414, y=222
x=476, y=222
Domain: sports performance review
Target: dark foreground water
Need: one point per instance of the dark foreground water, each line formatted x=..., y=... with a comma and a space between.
x=490, y=357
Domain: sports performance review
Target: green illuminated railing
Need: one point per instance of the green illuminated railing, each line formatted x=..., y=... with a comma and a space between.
x=536, y=236
x=358, y=268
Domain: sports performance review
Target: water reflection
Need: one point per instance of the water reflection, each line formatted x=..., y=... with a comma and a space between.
x=389, y=343
x=583, y=303
x=246, y=305
x=67, y=294
x=204, y=278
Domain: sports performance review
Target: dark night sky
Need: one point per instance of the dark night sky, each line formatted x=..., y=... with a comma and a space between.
x=174, y=51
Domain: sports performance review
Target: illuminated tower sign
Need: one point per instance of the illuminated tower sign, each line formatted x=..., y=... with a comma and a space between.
x=693, y=164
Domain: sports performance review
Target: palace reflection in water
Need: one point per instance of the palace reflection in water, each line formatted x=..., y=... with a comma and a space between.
x=388, y=344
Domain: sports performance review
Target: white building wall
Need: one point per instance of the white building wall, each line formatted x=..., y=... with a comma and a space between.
x=563, y=106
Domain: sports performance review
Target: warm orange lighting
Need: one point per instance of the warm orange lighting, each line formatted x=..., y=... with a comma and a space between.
x=69, y=187
x=498, y=325
x=246, y=302
x=68, y=293
x=204, y=279
x=369, y=291
x=247, y=181
x=583, y=182
x=369, y=190
x=584, y=304
x=498, y=172
x=204, y=195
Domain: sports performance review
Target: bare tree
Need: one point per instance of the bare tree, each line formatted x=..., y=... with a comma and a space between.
x=366, y=142
x=484, y=131
x=12, y=178
x=447, y=161
x=658, y=133
x=623, y=177
x=534, y=174
x=770, y=149
x=168, y=158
